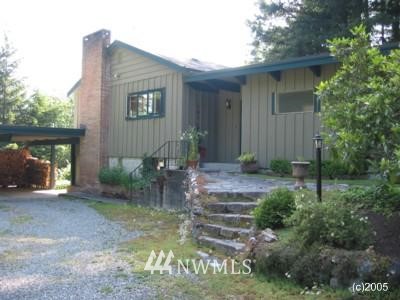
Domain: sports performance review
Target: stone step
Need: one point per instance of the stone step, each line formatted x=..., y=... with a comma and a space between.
x=232, y=207
x=232, y=233
x=227, y=246
x=237, y=220
x=236, y=197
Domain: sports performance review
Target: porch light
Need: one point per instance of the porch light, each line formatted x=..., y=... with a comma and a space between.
x=228, y=103
x=318, y=146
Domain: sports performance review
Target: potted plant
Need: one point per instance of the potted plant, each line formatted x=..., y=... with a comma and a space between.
x=248, y=162
x=300, y=171
x=192, y=135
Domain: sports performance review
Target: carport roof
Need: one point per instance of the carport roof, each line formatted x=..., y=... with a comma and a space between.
x=34, y=135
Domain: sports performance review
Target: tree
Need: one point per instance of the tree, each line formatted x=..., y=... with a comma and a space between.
x=361, y=104
x=12, y=90
x=47, y=111
x=296, y=28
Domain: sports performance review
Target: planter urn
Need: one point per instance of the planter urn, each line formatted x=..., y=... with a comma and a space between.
x=192, y=164
x=300, y=171
x=250, y=168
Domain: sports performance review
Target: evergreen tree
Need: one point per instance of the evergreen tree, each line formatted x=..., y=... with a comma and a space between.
x=296, y=28
x=12, y=89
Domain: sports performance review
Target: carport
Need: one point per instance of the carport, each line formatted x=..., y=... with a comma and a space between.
x=39, y=136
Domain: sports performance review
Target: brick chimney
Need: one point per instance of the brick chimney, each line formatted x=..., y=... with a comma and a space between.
x=94, y=107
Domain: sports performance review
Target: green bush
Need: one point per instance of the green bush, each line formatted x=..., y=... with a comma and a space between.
x=274, y=208
x=383, y=198
x=113, y=176
x=281, y=166
x=329, y=169
x=333, y=223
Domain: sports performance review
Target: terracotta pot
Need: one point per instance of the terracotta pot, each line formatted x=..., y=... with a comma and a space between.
x=300, y=171
x=192, y=164
x=249, y=167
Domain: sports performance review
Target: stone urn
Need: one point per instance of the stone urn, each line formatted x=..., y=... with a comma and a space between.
x=300, y=171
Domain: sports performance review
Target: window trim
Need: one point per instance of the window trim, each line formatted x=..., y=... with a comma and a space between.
x=275, y=106
x=147, y=116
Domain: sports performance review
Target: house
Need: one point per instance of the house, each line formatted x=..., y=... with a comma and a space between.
x=131, y=102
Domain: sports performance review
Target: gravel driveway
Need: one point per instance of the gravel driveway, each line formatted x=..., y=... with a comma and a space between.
x=63, y=249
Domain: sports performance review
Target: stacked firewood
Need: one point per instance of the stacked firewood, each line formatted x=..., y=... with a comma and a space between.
x=19, y=168
x=38, y=173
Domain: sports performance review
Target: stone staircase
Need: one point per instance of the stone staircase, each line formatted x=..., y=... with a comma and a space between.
x=226, y=223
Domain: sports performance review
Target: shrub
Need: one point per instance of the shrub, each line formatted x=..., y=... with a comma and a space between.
x=383, y=198
x=332, y=223
x=274, y=208
x=247, y=157
x=113, y=176
x=281, y=166
x=330, y=169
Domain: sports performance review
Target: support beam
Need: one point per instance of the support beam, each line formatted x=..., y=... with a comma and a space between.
x=316, y=70
x=224, y=85
x=276, y=75
x=52, y=166
x=54, y=142
x=241, y=79
x=73, y=164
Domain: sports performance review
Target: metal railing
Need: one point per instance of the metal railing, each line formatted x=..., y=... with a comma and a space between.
x=166, y=157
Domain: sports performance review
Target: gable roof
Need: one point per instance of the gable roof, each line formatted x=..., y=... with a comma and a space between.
x=189, y=66
x=300, y=62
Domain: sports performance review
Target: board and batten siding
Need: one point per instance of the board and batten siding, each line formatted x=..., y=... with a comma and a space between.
x=273, y=136
x=130, y=73
x=228, y=127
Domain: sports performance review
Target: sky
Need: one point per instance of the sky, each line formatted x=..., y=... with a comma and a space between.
x=47, y=34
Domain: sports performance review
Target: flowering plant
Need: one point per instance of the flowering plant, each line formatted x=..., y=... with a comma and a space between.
x=193, y=135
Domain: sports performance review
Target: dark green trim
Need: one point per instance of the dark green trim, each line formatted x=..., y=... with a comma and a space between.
x=316, y=70
x=41, y=131
x=52, y=167
x=273, y=103
x=301, y=62
x=317, y=103
x=159, y=59
x=276, y=75
x=148, y=116
x=219, y=84
x=73, y=164
x=68, y=141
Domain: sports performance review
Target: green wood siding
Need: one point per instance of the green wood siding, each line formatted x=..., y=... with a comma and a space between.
x=131, y=73
x=271, y=135
x=228, y=127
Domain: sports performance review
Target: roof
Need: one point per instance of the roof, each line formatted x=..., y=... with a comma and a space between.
x=40, y=135
x=191, y=65
x=187, y=66
x=300, y=62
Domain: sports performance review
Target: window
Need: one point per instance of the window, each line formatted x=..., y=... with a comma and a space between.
x=303, y=101
x=147, y=104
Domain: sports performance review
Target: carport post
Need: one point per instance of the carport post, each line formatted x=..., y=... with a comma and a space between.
x=73, y=164
x=52, y=166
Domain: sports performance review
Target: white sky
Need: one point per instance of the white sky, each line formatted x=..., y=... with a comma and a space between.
x=48, y=33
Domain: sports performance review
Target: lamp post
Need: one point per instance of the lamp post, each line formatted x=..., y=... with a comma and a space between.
x=318, y=146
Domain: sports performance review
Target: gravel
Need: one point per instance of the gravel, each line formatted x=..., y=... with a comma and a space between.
x=63, y=249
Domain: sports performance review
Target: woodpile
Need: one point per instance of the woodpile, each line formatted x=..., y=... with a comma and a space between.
x=19, y=168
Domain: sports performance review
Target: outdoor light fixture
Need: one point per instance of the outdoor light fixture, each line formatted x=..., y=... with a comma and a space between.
x=228, y=103
x=318, y=146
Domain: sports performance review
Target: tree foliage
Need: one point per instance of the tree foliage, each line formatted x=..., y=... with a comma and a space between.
x=361, y=104
x=37, y=110
x=12, y=90
x=296, y=28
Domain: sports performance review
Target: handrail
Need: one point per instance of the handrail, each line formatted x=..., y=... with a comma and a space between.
x=166, y=158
